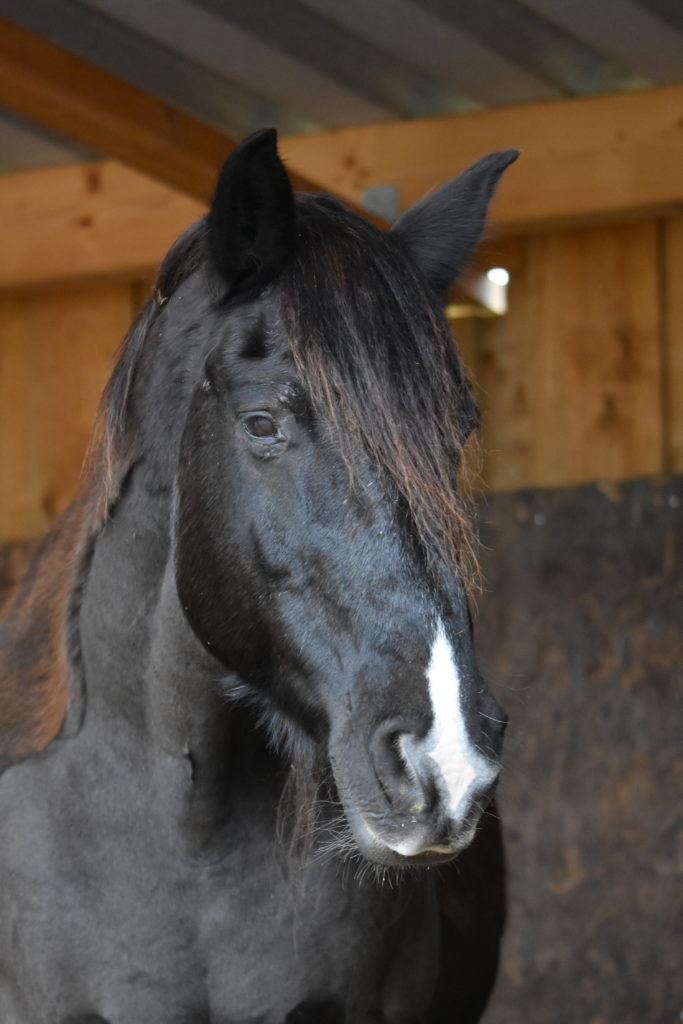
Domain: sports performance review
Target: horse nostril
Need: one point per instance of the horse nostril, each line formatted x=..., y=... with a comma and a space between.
x=387, y=759
x=395, y=769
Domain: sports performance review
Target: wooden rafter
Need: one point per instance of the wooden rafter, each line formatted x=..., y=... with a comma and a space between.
x=103, y=219
x=600, y=158
x=87, y=220
x=79, y=101
x=607, y=157
x=586, y=160
x=82, y=102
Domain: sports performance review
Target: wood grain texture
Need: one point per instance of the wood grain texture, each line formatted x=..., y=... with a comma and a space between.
x=80, y=101
x=56, y=348
x=87, y=220
x=615, y=156
x=104, y=219
x=593, y=159
x=570, y=379
x=581, y=380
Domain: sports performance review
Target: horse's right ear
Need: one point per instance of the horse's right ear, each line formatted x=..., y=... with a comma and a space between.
x=251, y=220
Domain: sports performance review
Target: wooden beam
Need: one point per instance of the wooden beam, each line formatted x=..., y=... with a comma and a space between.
x=87, y=220
x=586, y=160
x=80, y=101
x=583, y=161
x=103, y=219
x=56, y=353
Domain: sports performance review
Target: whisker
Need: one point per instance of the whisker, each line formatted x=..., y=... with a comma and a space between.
x=500, y=721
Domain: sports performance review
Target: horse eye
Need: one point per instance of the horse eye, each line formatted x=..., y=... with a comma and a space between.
x=260, y=425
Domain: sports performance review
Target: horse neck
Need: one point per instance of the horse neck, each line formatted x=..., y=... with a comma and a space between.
x=151, y=689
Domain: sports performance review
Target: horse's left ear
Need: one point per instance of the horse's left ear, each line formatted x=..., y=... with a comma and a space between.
x=442, y=230
x=251, y=220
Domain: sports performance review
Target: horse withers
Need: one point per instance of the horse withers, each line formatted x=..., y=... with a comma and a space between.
x=242, y=728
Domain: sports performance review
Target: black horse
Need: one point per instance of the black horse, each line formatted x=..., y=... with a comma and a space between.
x=240, y=716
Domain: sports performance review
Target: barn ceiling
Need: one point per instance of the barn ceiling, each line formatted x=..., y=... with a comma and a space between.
x=309, y=65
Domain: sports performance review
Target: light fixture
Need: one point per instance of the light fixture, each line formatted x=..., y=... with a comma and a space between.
x=480, y=293
x=498, y=275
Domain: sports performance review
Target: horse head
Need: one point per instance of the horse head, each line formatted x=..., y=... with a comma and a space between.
x=318, y=531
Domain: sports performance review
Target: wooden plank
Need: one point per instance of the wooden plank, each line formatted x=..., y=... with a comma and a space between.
x=104, y=219
x=499, y=363
x=56, y=347
x=75, y=98
x=615, y=156
x=604, y=157
x=672, y=295
x=80, y=101
x=87, y=220
x=570, y=379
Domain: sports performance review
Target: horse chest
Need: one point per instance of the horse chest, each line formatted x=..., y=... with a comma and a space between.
x=106, y=912
x=319, y=945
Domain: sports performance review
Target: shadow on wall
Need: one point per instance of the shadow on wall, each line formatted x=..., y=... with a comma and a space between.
x=581, y=626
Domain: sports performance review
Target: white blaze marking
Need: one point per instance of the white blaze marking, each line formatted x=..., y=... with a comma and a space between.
x=448, y=744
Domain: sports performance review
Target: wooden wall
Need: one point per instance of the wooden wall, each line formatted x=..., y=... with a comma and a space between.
x=56, y=351
x=582, y=380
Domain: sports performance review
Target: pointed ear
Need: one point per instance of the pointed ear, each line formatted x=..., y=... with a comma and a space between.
x=251, y=220
x=442, y=231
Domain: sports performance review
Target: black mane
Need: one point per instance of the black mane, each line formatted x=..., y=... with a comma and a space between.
x=374, y=349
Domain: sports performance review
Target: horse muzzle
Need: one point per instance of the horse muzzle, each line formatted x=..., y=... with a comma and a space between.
x=417, y=799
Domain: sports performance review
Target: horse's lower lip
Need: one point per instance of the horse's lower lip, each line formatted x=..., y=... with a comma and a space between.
x=382, y=851
x=437, y=854
x=430, y=858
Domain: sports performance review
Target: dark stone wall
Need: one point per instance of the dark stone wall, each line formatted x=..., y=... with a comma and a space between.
x=580, y=632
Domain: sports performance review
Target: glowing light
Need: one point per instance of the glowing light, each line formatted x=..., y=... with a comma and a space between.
x=498, y=275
